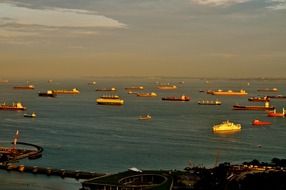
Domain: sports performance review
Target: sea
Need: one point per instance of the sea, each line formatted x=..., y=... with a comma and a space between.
x=78, y=134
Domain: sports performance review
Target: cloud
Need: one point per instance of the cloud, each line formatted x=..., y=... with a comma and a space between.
x=218, y=2
x=277, y=5
x=55, y=17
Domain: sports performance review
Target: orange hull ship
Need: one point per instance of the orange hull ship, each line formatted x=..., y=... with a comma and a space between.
x=16, y=107
x=276, y=114
x=229, y=93
x=29, y=87
x=257, y=122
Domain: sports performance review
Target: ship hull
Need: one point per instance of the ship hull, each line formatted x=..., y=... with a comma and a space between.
x=176, y=99
x=12, y=108
x=254, y=108
x=47, y=95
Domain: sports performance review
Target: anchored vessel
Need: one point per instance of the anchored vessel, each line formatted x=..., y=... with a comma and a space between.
x=148, y=94
x=73, y=91
x=14, y=106
x=268, y=90
x=106, y=89
x=167, y=87
x=209, y=102
x=277, y=114
x=257, y=108
x=109, y=100
x=181, y=98
x=226, y=126
x=257, y=122
x=228, y=93
x=49, y=93
x=135, y=88
x=259, y=99
x=28, y=87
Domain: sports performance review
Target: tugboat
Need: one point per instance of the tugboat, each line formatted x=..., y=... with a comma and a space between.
x=49, y=93
x=181, y=98
x=257, y=122
x=109, y=100
x=276, y=114
x=145, y=117
x=209, y=102
x=226, y=126
x=13, y=107
x=256, y=108
x=33, y=115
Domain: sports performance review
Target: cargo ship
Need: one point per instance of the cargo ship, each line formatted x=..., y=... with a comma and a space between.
x=135, y=88
x=268, y=90
x=257, y=122
x=15, y=106
x=167, y=87
x=228, y=93
x=148, y=94
x=226, y=126
x=49, y=93
x=73, y=91
x=181, y=98
x=28, y=87
x=259, y=99
x=276, y=114
x=209, y=102
x=266, y=107
x=106, y=89
x=277, y=96
x=109, y=100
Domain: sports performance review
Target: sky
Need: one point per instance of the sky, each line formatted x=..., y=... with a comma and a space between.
x=181, y=38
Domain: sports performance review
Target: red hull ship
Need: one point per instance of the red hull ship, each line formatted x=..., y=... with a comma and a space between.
x=255, y=108
x=182, y=98
x=13, y=107
x=257, y=122
x=29, y=87
x=276, y=114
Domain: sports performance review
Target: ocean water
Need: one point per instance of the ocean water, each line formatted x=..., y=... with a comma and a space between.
x=78, y=134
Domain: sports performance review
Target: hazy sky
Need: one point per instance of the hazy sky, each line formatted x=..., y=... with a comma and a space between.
x=208, y=38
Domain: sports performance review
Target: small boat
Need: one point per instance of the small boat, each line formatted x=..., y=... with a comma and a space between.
x=33, y=115
x=229, y=93
x=132, y=92
x=106, y=89
x=209, y=102
x=135, y=88
x=268, y=90
x=149, y=94
x=15, y=106
x=276, y=114
x=73, y=91
x=181, y=98
x=259, y=99
x=256, y=108
x=145, y=117
x=257, y=122
x=49, y=93
x=226, y=126
x=28, y=87
x=109, y=100
x=92, y=83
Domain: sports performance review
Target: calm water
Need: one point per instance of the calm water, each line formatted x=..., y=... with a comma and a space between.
x=76, y=133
